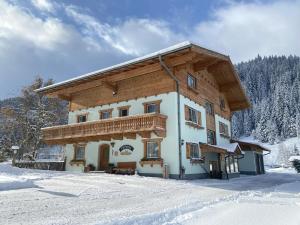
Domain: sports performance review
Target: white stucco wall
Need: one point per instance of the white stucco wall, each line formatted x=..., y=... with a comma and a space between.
x=220, y=139
x=169, y=145
x=191, y=134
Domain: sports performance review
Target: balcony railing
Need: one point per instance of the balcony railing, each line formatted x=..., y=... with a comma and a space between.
x=107, y=129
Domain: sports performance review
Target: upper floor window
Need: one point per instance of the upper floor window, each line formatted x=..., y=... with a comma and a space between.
x=192, y=151
x=211, y=137
x=209, y=108
x=105, y=114
x=191, y=81
x=124, y=111
x=223, y=129
x=192, y=115
x=152, y=107
x=79, y=152
x=82, y=118
x=222, y=103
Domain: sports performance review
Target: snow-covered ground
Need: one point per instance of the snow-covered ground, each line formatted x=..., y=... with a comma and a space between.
x=47, y=197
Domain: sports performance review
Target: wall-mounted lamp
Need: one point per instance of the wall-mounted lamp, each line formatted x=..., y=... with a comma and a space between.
x=112, y=144
x=182, y=142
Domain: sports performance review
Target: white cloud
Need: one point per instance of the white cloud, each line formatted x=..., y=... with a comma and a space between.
x=132, y=37
x=44, y=5
x=32, y=44
x=244, y=30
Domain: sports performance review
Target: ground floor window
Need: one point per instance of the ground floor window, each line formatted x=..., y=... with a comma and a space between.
x=79, y=152
x=192, y=151
x=152, y=148
x=232, y=164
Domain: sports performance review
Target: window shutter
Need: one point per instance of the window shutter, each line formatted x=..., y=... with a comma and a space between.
x=186, y=112
x=199, y=118
x=188, y=150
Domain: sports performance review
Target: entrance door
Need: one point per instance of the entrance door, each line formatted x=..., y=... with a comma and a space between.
x=214, y=169
x=258, y=163
x=103, y=156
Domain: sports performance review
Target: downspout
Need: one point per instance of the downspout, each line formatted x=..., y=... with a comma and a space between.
x=170, y=73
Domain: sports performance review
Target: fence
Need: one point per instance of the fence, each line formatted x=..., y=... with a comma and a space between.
x=58, y=165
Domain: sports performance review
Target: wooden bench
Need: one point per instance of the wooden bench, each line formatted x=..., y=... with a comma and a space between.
x=125, y=168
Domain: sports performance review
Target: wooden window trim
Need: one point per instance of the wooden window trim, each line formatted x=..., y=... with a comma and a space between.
x=74, y=160
x=152, y=161
x=122, y=108
x=82, y=114
x=105, y=110
x=188, y=153
x=188, y=122
x=157, y=102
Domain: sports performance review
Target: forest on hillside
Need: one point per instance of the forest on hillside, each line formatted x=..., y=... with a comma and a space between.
x=273, y=86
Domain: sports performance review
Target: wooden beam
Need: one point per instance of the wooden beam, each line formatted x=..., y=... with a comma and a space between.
x=226, y=87
x=201, y=65
x=145, y=134
x=111, y=86
x=130, y=135
x=117, y=136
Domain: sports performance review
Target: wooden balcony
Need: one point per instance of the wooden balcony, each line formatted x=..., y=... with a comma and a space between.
x=108, y=129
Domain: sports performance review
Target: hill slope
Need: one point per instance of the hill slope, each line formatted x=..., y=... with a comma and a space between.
x=273, y=86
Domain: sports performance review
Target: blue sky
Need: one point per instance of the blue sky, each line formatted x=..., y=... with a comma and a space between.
x=63, y=39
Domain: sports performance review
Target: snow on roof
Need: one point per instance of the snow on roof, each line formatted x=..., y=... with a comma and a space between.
x=295, y=157
x=165, y=51
x=230, y=147
x=253, y=142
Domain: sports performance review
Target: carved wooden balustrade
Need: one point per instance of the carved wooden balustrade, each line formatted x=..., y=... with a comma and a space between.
x=107, y=129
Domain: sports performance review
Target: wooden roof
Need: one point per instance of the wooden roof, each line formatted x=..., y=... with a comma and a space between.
x=244, y=145
x=217, y=64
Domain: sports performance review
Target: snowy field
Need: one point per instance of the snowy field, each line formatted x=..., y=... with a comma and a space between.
x=43, y=197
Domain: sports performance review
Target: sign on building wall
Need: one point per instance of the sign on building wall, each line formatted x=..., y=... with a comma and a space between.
x=126, y=150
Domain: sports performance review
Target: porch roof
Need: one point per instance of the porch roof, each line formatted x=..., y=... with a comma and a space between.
x=251, y=144
x=230, y=148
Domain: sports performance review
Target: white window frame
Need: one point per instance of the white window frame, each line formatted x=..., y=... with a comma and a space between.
x=191, y=84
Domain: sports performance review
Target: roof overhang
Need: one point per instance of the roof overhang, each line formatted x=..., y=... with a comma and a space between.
x=228, y=149
x=244, y=146
x=219, y=65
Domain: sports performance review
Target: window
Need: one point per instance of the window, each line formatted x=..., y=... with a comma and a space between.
x=232, y=164
x=192, y=151
x=222, y=104
x=192, y=116
x=209, y=108
x=211, y=137
x=105, y=114
x=152, y=107
x=124, y=111
x=191, y=81
x=152, y=149
x=81, y=118
x=79, y=152
x=223, y=129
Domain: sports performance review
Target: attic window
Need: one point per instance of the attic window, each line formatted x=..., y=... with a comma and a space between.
x=191, y=81
x=222, y=103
